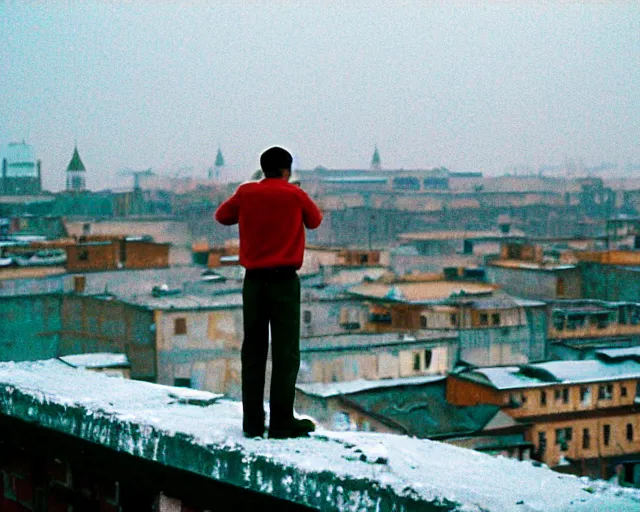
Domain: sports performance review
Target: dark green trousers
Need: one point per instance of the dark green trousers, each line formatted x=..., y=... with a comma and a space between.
x=270, y=298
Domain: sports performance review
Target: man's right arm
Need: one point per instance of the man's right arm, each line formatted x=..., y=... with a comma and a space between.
x=228, y=213
x=311, y=214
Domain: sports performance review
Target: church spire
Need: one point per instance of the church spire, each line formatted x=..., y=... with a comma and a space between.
x=215, y=173
x=76, y=173
x=375, y=161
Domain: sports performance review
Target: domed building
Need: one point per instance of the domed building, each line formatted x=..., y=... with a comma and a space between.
x=21, y=172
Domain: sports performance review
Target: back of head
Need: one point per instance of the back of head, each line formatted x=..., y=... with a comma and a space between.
x=273, y=160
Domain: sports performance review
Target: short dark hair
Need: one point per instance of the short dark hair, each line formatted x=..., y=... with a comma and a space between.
x=273, y=160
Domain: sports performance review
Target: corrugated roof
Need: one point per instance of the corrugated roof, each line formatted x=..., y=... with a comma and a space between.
x=325, y=390
x=554, y=373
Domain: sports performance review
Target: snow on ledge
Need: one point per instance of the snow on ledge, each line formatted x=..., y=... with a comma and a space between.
x=343, y=471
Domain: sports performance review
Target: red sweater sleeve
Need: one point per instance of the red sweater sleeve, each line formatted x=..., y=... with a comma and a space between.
x=228, y=213
x=311, y=214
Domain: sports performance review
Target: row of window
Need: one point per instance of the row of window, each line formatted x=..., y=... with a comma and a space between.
x=180, y=324
x=605, y=392
x=573, y=321
x=484, y=319
x=564, y=435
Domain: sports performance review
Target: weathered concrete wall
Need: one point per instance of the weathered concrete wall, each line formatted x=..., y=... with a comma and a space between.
x=607, y=282
x=30, y=327
x=536, y=284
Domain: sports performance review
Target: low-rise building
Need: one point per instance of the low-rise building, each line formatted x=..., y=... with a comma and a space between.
x=371, y=356
x=92, y=253
x=414, y=406
x=578, y=327
x=493, y=328
x=581, y=413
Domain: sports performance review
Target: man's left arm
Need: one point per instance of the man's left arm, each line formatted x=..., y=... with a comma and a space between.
x=228, y=213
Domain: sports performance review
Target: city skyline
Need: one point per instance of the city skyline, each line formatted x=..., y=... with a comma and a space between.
x=472, y=88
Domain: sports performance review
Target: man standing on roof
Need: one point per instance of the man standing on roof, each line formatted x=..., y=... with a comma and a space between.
x=272, y=214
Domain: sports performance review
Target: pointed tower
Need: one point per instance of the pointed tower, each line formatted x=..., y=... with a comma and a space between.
x=375, y=161
x=215, y=173
x=76, y=173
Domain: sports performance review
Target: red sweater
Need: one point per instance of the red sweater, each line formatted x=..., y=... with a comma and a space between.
x=272, y=214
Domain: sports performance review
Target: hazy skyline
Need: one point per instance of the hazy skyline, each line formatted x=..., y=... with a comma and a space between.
x=466, y=86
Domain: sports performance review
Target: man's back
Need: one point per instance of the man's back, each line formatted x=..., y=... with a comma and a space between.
x=272, y=214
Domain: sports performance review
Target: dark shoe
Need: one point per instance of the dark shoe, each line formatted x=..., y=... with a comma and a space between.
x=251, y=433
x=299, y=428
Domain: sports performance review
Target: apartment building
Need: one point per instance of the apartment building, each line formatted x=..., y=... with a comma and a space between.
x=581, y=413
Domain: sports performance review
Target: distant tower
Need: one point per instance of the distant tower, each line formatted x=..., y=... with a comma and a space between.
x=75, y=173
x=375, y=161
x=216, y=173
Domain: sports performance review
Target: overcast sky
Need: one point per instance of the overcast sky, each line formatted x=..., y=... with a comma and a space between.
x=469, y=86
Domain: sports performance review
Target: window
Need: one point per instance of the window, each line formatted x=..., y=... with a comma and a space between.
x=423, y=322
x=427, y=358
x=495, y=319
x=453, y=319
x=83, y=254
x=380, y=316
x=182, y=382
x=565, y=395
x=605, y=391
x=586, y=439
x=416, y=362
x=629, y=432
x=542, y=441
x=563, y=436
x=484, y=319
x=558, y=322
x=543, y=398
x=349, y=318
x=606, y=434
x=180, y=326
x=364, y=258
x=585, y=395
x=306, y=316
x=623, y=390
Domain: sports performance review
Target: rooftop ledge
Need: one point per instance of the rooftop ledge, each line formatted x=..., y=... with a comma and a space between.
x=201, y=433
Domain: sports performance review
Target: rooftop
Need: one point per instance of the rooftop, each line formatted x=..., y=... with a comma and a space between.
x=529, y=265
x=553, y=373
x=97, y=360
x=458, y=235
x=373, y=340
x=326, y=390
x=340, y=471
x=422, y=292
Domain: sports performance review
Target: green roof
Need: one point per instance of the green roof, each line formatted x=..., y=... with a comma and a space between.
x=76, y=163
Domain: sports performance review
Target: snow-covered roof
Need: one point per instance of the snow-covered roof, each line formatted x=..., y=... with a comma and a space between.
x=530, y=265
x=615, y=353
x=554, y=373
x=326, y=390
x=330, y=470
x=97, y=360
x=186, y=302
